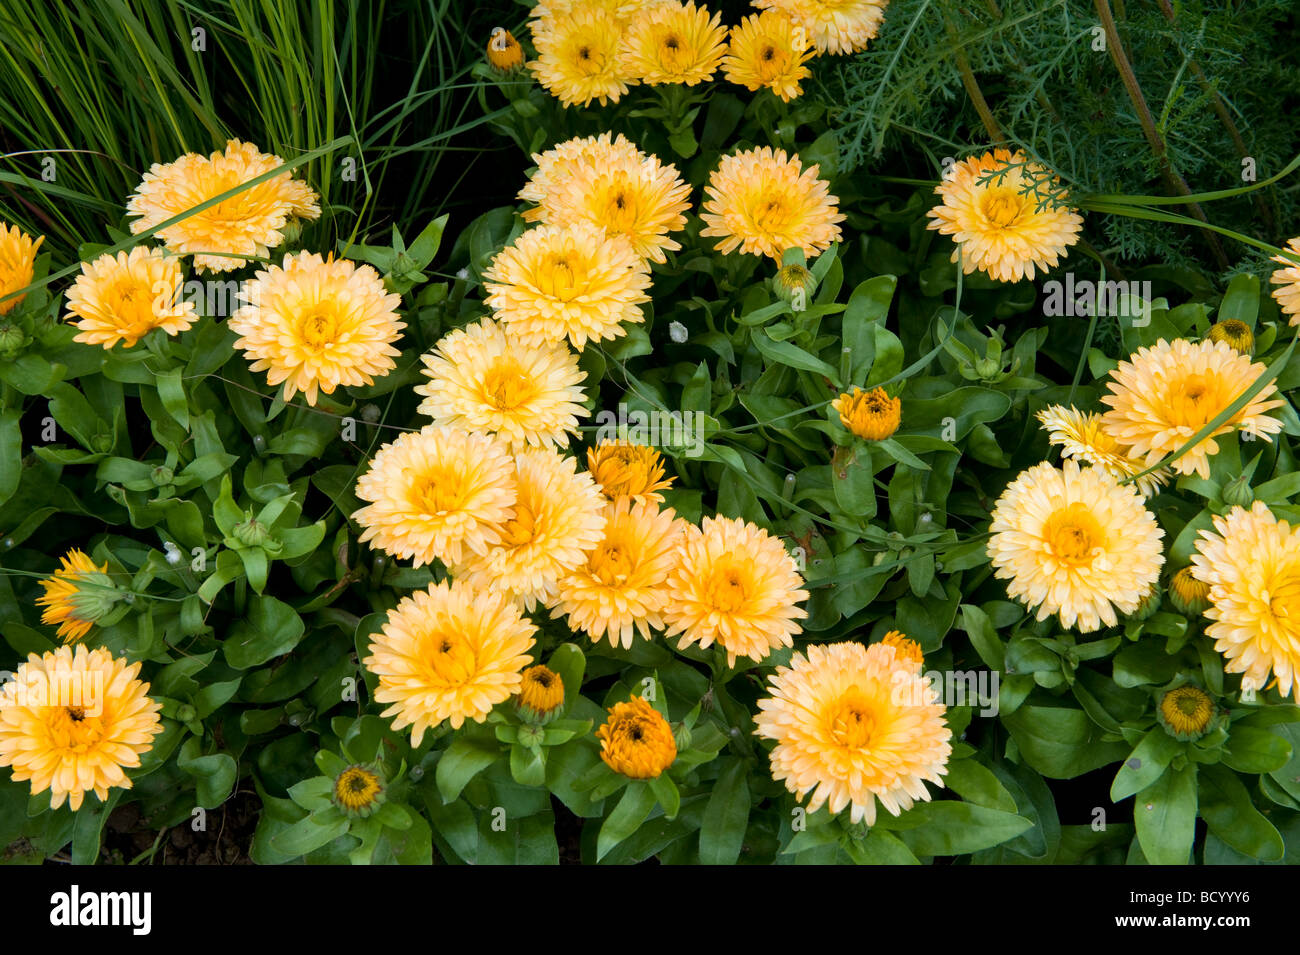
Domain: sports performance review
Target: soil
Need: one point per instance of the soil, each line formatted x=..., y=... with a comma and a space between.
x=225, y=841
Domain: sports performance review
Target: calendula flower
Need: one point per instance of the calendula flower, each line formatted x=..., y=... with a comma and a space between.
x=72, y=722
x=358, y=791
x=557, y=518
x=734, y=584
x=872, y=415
x=854, y=726
x=640, y=200
x=622, y=587
x=768, y=51
x=1251, y=561
x=541, y=694
x=248, y=224
x=1073, y=541
x=557, y=164
x=77, y=595
x=636, y=740
x=17, y=264
x=1081, y=436
x=762, y=203
x=1189, y=595
x=907, y=650
x=1235, y=333
x=833, y=26
x=673, y=42
x=1286, y=278
x=482, y=379
x=437, y=493
x=570, y=282
x=623, y=469
x=316, y=324
x=503, y=51
x=1001, y=226
x=1165, y=393
x=578, y=56
x=1185, y=712
x=450, y=652
x=123, y=297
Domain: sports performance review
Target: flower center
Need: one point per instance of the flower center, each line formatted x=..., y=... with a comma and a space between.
x=620, y=208
x=450, y=658
x=521, y=528
x=1283, y=599
x=851, y=721
x=559, y=279
x=727, y=591
x=318, y=329
x=1073, y=534
x=1002, y=207
x=770, y=215
x=611, y=564
x=439, y=493
x=506, y=387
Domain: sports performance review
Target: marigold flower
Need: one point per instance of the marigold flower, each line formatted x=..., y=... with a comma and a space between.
x=872, y=415
x=578, y=56
x=1081, y=436
x=558, y=164
x=17, y=264
x=247, y=225
x=673, y=42
x=72, y=722
x=636, y=740
x=503, y=51
x=358, y=791
x=1000, y=224
x=833, y=26
x=768, y=51
x=1189, y=595
x=125, y=296
x=1072, y=541
x=451, y=652
x=77, y=595
x=763, y=203
x=1287, y=279
x=1185, y=712
x=1235, y=333
x=854, y=726
x=315, y=324
x=623, y=469
x=541, y=693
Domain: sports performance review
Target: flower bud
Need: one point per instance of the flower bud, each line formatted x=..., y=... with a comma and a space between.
x=1236, y=334
x=794, y=284
x=1238, y=492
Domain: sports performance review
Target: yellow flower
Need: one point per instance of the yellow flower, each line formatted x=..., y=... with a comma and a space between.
x=1235, y=333
x=834, y=26
x=872, y=415
x=1074, y=542
x=17, y=264
x=541, y=693
x=762, y=203
x=248, y=224
x=1186, y=711
x=673, y=42
x=578, y=56
x=768, y=51
x=316, y=324
x=854, y=726
x=437, y=493
x=998, y=224
x=1252, y=563
x=1082, y=437
x=72, y=722
x=636, y=740
x=123, y=297
x=734, y=583
x=503, y=51
x=558, y=164
x=630, y=470
x=1166, y=393
x=358, y=791
x=1287, y=279
x=908, y=651
x=1188, y=594
x=77, y=595
x=622, y=588
x=569, y=282
x=451, y=652
x=557, y=519
x=482, y=379
x=640, y=200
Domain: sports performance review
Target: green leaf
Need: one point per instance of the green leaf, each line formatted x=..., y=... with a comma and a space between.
x=1165, y=815
x=268, y=629
x=880, y=847
x=1145, y=764
x=1061, y=742
x=792, y=356
x=726, y=817
x=1226, y=807
x=214, y=775
x=632, y=810
x=1251, y=750
x=11, y=452
x=976, y=784
x=462, y=761
x=950, y=828
x=569, y=663
x=310, y=834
